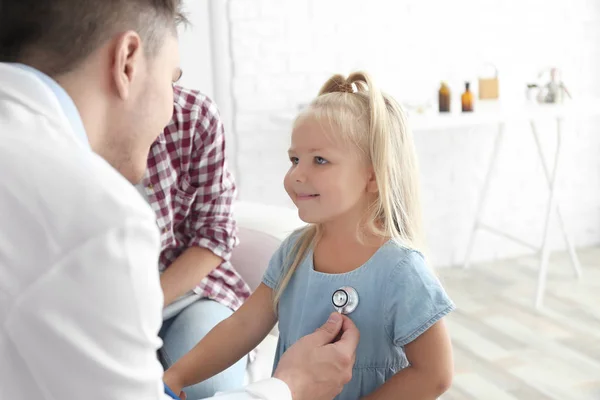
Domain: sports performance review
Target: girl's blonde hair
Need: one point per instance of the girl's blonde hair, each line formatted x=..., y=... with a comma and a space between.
x=359, y=113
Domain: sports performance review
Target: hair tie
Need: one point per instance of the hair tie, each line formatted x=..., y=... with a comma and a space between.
x=346, y=87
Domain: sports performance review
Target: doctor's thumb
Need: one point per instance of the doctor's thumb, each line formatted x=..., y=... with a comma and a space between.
x=330, y=329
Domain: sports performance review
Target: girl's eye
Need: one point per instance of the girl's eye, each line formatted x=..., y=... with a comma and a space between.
x=320, y=160
x=294, y=160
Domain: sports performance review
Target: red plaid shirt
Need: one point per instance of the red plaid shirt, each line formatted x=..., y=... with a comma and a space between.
x=191, y=191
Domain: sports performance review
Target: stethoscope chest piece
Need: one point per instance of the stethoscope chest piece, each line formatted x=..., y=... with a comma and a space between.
x=345, y=300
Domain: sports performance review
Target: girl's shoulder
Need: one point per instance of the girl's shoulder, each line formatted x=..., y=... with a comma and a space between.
x=293, y=240
x=403, y=257
x=406, y=264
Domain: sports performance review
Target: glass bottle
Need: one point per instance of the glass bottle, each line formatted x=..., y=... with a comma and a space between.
x=444, y=98
x=467, y=99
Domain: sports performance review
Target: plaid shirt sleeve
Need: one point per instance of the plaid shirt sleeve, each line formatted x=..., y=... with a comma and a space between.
x=211, y=224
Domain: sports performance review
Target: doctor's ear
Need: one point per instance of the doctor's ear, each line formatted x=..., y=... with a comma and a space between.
x=127, y=62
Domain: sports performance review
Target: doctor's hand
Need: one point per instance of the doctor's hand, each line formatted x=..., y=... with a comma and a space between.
x=319, y=365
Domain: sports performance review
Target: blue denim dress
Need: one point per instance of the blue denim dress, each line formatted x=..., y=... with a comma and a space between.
x=399, y=299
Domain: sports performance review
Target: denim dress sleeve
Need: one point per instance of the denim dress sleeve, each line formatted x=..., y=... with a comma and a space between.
x=277, y=265
x=414, y=300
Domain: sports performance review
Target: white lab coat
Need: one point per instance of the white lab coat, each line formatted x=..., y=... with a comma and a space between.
x=80, y=298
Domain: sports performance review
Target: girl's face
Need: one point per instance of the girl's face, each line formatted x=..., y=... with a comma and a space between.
x=327, y=180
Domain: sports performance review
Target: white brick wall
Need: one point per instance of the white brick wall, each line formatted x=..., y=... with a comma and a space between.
x=283, y=50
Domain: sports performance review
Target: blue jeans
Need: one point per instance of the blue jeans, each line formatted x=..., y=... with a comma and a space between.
x=183, y=331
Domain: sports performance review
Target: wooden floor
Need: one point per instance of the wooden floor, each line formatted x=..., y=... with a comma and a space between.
x=506, y=350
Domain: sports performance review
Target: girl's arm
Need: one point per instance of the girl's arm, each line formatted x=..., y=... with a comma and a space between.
x=227, y=342
x=430, y=371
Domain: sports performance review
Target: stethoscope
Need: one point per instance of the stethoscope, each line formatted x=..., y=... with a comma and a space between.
x=345, y=300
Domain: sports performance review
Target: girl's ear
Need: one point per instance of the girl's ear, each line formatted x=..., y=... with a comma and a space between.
x=372, y=182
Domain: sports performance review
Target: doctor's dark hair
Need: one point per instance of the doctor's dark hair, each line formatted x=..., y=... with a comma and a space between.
x=55, y=36
x=355, y=111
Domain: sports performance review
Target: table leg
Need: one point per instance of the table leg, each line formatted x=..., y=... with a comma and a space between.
x=483, y=194
x=570, y=246
x=543, y=266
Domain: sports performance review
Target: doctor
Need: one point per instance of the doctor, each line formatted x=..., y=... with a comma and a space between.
x=85, y=88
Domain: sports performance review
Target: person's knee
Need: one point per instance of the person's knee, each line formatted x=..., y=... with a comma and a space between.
x=230, y=379
x=203, y=316
x=190, y=326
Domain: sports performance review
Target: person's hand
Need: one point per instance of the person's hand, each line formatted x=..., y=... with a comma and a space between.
x=318, y=366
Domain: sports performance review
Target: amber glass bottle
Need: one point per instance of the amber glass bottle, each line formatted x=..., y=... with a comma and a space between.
x=467, y=99
x=444, y=98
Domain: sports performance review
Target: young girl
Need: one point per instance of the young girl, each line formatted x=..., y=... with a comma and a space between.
x=354, y=180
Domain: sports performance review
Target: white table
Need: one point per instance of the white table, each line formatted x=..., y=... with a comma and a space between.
x=494, y=113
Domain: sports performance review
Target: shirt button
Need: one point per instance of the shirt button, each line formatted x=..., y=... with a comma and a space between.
x=150, y=187
x=165, y=229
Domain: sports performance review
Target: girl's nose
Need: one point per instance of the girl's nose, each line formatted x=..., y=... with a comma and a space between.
x=298, y=174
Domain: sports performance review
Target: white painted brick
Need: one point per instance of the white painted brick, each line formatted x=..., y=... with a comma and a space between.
x=331, y=8
x=244, y=10
x=309, y=63
x=246, y=48
x=299, y=35
x=248, y=67
x=277, y=101
x=274, y=64
x=590, y=9
x=244, y=87
x=260, y=28
x=251, y=97
x=293, y=87
x=284, y=8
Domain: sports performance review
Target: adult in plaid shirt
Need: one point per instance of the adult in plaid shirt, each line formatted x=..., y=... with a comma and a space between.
x=191, y=191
